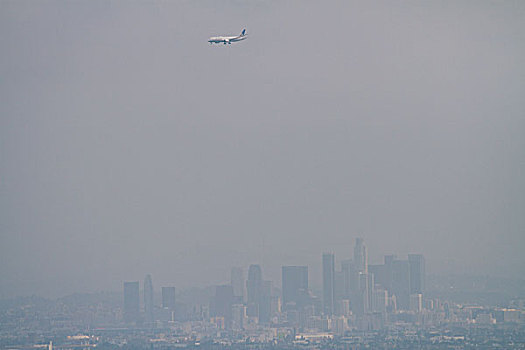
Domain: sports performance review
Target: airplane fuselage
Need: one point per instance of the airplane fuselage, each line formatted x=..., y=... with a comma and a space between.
x=227, y=39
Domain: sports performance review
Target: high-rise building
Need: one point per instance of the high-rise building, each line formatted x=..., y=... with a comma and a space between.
x=294, y=279
x=148, y=299
x=168, y=298
x=360, y=300
x=401, y=283
x=371, y=290
x=417, y=273
x=223, y=301
x=386, y=279
x=254, y=289
x=167, y=313
x=254, y=282
x=380, y=274
x=380, y=300
x=351, y=278
x=131, y=302
x=239, y=317
x=339, y=286
x=275, y=307
x=343, y=307
x=237, y=282
x=265, y=302
x=328, y=283
x=360, y=255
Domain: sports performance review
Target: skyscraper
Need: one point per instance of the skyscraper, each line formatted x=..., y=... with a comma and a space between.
x=371, y=290
x=223, y=302
x=294, y=279
x=254, y=288
x=148, y=299
x=265, y=302
x=401, y=283
x=237, y=282
x=339, y=286
x=386, y=278
x=238, y=316
x=328, y=283
x=168, y=298
x=380, y=273
x=380, y=300
x=350, y=277
x=362, y=298
x=131, y=302
x=360, y=255
x=417, y=273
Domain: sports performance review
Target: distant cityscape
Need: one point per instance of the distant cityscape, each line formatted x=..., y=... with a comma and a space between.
x=358, y=306
x=356, y=293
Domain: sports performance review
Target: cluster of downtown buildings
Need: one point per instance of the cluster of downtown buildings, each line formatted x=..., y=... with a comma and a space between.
x=356, y=306
x=354, y=295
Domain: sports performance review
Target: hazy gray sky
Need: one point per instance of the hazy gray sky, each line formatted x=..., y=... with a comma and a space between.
x=129, y=145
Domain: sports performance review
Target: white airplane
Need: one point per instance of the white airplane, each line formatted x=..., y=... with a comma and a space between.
x=228, y=39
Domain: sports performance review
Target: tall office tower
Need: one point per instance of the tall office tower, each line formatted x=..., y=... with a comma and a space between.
x=238, y=316
x=380, y=300
x=148, y=299
x=342, y=307
x=417, y=273
x=168, y=298
x=401, y=283
x=360, y=299
x=371, y=290
x=328, y=283
x=237, y=282
x=387, y=277
x=253, y=288
x=223, y=302
x=380, y=274
x=131, y=302
x=265, y=302
x=339, y=286
x=294, y=279
x=360, y=255
x=351, y=278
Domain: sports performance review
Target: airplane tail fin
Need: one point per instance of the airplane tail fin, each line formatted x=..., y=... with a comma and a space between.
x=243, y=33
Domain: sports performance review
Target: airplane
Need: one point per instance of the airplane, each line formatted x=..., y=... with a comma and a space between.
x=228, y=39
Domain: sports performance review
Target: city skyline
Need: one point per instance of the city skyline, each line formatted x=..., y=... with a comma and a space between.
x=341, y=279
x=239, y=273
x=233, y=274
x=314, y=273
